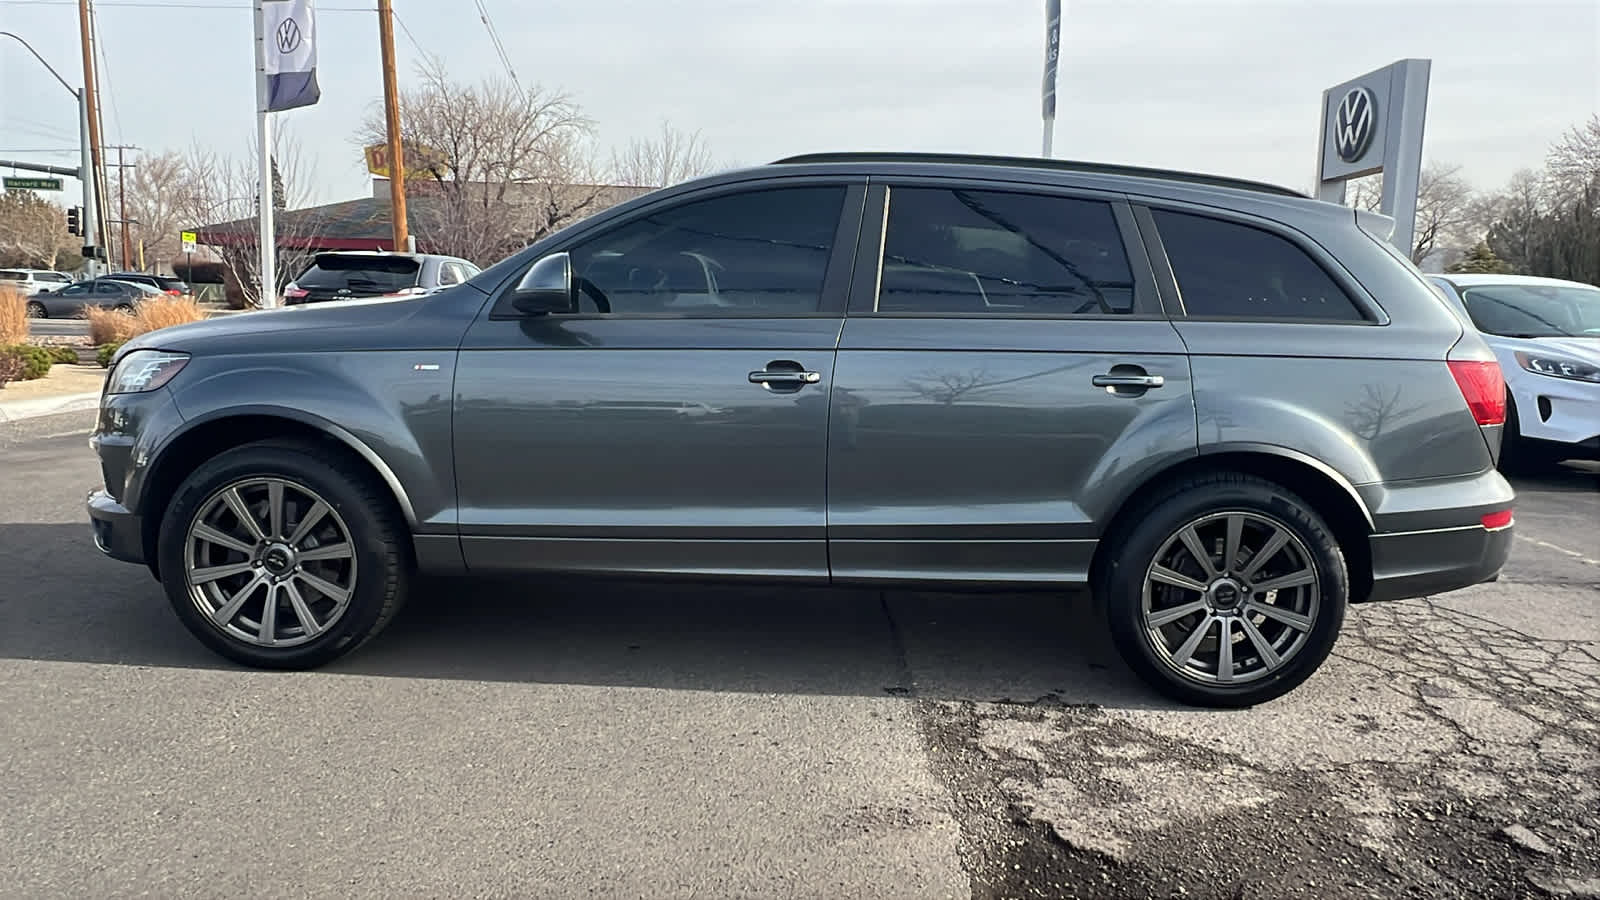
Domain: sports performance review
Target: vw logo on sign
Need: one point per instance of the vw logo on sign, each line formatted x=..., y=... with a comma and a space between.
x=1353, y=124
x=288, y=36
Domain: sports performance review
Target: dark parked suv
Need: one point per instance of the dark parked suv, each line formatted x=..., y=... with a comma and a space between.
x=1228, y=409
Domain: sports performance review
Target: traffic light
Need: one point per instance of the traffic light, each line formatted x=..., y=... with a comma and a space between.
x=75, y=220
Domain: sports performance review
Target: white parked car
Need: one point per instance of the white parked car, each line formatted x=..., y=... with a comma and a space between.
x=1546, y=333
x=32, y=281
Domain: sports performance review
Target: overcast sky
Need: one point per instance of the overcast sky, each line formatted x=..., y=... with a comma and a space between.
x=1226, y=86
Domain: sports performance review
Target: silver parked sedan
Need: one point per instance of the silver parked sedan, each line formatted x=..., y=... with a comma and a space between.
x=75, y=299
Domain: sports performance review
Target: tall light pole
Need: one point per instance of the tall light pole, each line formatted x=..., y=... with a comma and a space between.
x=86, y=144
x=1052, y=53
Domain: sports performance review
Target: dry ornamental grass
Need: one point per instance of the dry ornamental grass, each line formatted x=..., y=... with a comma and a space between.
x=13, y=316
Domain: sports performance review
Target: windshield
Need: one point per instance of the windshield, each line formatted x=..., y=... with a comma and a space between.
x=360, y=275
x=1534, y=311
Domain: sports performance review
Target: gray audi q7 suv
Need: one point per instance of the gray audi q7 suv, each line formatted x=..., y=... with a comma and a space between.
x=1227, y=409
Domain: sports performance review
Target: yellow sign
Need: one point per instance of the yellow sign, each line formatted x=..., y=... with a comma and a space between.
x=187, y=237
x=418, y=160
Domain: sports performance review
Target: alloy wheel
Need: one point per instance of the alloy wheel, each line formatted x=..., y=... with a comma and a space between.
x=269, y=562
x=1230, y=598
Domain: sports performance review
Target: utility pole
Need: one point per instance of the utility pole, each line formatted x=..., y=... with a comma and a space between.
x=122, y=199
x=391, y=119
x=92, y=112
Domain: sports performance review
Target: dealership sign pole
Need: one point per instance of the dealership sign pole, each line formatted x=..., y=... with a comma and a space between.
x=1052, y=53
x=1374, y=124
x=286, y=78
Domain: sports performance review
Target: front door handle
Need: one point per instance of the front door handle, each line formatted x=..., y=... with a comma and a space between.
x=1130, y=381
x=785, y=377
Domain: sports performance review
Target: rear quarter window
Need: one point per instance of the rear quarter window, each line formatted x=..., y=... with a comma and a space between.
x=1229, y=270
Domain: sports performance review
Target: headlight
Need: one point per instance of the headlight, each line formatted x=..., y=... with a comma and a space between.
x=145, y=370
x=1556, y=367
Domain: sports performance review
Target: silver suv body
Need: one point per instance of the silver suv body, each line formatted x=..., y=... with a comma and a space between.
x=1227, y=409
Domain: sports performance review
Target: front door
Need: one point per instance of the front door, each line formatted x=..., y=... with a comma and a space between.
x=1004, y=376
x=676, y=421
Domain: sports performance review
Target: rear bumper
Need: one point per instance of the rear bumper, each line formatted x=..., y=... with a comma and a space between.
x=1420, y=563
x=117, y=532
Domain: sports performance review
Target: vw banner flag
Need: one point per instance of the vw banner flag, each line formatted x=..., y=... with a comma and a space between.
x=1052, y=54
x=289, y=54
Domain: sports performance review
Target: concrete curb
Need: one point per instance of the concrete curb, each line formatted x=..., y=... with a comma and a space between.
x=18, y=410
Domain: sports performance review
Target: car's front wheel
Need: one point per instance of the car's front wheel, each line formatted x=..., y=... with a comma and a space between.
x=283, y=554
x=36, y=310
x=1225, y=590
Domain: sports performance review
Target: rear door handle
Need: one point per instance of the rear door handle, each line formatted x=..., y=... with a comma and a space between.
x=1134, y=381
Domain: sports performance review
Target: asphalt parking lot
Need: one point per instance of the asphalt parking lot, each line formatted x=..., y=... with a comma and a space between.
x=568, y=739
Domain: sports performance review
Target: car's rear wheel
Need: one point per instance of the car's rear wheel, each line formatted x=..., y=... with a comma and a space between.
x=36, y=310
x=124, y=308
x=283, y=555
x=1225, y=590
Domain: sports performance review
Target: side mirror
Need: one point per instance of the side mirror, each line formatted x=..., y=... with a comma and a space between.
x=546, y=288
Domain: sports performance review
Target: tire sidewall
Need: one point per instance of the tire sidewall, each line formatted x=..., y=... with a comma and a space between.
x=1124, y=587
x=373, y=556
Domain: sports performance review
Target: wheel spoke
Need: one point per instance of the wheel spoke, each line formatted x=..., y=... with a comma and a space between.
x=1267, y=552
x=1191, y=539
x=269, y=617
x=327, y=588
x=274, y=509
x=1230, y=547
x=329, y=551
x=308, y=522
x=302, y=610
x=206, y=576
x=1269, y=656
x=1181, y=657
x=242, y=512
x=1225, y=648
x=227, y=611
x=1292, y=619
x=1165, y=617
x=1291, y=580
x=1176, y=579
x=211, y=535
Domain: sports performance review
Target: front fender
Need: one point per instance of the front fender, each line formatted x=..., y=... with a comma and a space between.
x=390, y=407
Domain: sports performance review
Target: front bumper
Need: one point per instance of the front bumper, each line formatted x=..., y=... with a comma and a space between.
x=117, y=532
x=1421, y=563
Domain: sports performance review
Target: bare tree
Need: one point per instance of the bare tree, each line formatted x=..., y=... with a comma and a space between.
x=491, y=166
x=154, y=206
x=1447, y=217
x=1573, y=165
x=670, y=157
x=33, y=232
x=219, y=195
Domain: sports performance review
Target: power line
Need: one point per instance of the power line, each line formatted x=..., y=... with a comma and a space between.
x=409, y=36
x=102, y=82
x=499, y=48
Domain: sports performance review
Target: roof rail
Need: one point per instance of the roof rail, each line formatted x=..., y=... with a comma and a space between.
x=1060, y=165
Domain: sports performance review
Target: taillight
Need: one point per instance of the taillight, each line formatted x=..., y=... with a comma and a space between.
x=173, y=292
x=295, y=292
x=1497, y=520
x=1484, y=388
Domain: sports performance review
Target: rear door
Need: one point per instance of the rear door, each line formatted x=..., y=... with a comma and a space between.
x=1004, y=377
x=676, y=420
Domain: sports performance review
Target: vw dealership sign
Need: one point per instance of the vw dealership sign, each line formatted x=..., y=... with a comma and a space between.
x=1374, y=124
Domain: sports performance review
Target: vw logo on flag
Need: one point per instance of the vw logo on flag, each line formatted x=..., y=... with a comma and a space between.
x=1353, y=124
x=288, y=36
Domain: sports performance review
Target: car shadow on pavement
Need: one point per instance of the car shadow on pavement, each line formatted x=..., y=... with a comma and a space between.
x=61, y=601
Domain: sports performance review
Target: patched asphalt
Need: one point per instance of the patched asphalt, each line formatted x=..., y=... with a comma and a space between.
x=562, y=738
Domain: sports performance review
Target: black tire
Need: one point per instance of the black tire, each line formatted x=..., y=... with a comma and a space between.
x=1120, y=583
x=124, y=308
x=36, y=310
x=377, y=535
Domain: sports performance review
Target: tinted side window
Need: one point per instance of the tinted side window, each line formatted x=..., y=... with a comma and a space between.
x=757, y=253
x=106, y=287
x=967, y=252
x=76, y=289
x=449, y=273
x=1227, y=269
